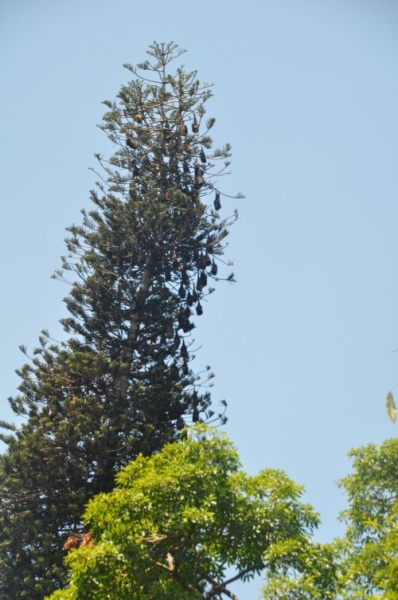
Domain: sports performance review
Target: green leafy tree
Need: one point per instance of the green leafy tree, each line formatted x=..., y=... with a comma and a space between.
x=140, y=265
x=370, y=546
x=187, y=523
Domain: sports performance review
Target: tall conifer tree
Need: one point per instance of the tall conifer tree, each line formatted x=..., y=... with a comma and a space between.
x=141, y=263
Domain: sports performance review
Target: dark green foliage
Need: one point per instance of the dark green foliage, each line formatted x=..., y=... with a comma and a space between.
x=120, y=384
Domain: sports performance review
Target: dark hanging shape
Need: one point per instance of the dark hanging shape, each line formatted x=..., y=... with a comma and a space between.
x=194, y=195
x=183, y=317
x=199, y=285
x=217, y=203
x=195, y=296
x=214, y=268
x=202, y=156
x=182, y=292
x=185, y=278
x=131, y=143
x=134, y=168
x=184, y=350
x=208, y=260
x=177, y=341
x=199, y=181
x=199, y=309
x=185, y=369
x=180, y=423
x=203, y=280
x=190, y=299
x=187, y=326
x=186, y=166
x=167, y=274
x=201, y=261
x=183, y=128
x=195, y=125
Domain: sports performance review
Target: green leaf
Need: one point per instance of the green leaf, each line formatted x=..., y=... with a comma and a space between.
x=391, y=408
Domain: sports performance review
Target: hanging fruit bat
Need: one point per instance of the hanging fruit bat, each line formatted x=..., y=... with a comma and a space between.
x=199, y=181
x=190, y=300
x=189, y=149
x=208, y=260
x=217, y=203
x=203, y=279
x=214, y=268
x=199, y=285
x=185, y=369
x=199, y=309
x=184, y=350
x=201, y=261
x=182, y=292
x=177, y=341
x=194, y=195
x=138, y=117
x=195, y=296
x=183, y=319
x=195, y=125
x=185, y=278
x=136, y=170
x=132, y=143
x=202, y=156
x=187, y=326
x=183, y=128
x=186, y=312
x=166, y=132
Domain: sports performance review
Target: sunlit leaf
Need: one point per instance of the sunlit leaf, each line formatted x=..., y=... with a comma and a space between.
x=391, y=408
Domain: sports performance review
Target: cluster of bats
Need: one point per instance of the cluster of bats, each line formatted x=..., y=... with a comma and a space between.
x=202, y=260
x=132, y=143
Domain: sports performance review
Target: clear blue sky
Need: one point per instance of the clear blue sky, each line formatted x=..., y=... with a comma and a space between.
x=307, y=94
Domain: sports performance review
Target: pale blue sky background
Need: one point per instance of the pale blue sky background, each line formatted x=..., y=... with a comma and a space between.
x=307, y=94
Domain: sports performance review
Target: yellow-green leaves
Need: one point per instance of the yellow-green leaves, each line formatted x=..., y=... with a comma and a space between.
x=369, y=548
x=391, y=408
x=187, y=522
